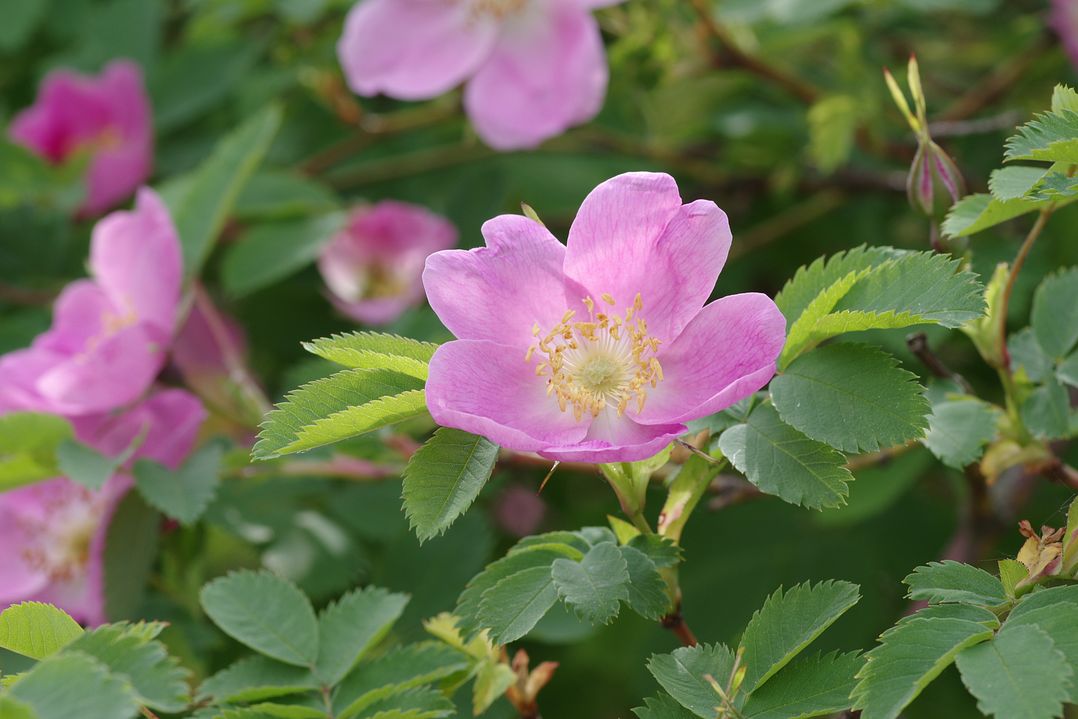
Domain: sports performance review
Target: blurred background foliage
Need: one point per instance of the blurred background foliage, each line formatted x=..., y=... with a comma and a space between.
x=794, y=135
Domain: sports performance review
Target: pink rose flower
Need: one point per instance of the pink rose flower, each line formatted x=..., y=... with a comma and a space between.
x=109, y=334
x=1065, y=21
x=108, y=116
x=372, y=267
x=534, y=68
x=598, y=351
x=54, y=532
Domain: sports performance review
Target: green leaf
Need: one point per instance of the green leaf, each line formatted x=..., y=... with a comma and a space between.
x=256, y=678
x=978, y=212
x=1060, y=622
x=444, y=477
x=158, y=680
x=682, y=674
x=130, y=552
x=781, y=461
x=833, y=124
x=271, y=252
x=967, y=612
x=417, y=703
x=806, y=331
x=468, y=605
x=1064, y=98
x=660, y=550
x=36, y=630
x=950, y=581
x=351, y=627
x=662, y=707
x=1011, y=183
x=812, y=280
x=276, y=195
x=1051, y=137
x=344, y=405
x=67, y=686
x=516, y=603
x=853, y=397
x=910, y=656
x=375, y=350
x=194, y=77
x=28, y=444
x=21, y=19
x=787, y=623
x=594, y=586
x=1067, y=594
x=807, y=687
x=647, y=589
x=959, y=428
x=86, y=465
x=1018, y=675
x=491, y=680
x=1068, y=370
x=1054, y=318
x=266, y=613
x=201, y=209
x=393, y=673
x=14, y=709
x=1046, y=411
x=186, y=493
x=1028, y=356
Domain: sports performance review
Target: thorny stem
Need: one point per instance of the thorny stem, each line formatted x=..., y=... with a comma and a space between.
x=734, y=55
x=675, y=622
x=1016, y=267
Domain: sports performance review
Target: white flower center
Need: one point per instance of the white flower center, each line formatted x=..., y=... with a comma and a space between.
x=499, y=9
x=60, y=543
x=606, y=361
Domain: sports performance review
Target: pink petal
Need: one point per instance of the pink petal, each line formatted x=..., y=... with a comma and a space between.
x=79, y=317
x=1064, y=19
x=19, y=373
x=616, y=439
x=488, y=389
x=137, y=260
x=593, y=4
x=724, y=355
x=18, y=580
x=412, y=49
x=499, y=292
x=633, y=235
x=546, y=73
x=168, y=423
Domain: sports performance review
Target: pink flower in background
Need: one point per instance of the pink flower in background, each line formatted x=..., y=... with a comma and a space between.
x=534, y=68
x=597, y=351
x=373, y=266
x=109, y=334
x=54, y=532
x=1065, y=22
x=108, y=116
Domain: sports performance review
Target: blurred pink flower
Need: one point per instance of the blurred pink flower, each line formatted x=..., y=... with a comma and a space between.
x=108, y=116
x=109, y=334
x=373, y=266
x=54, y=532
x=599, y=351
x=1065, y=21
x=534, y=68
x=519, y=510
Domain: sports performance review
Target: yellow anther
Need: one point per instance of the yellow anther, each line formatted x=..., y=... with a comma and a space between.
x=609, y=298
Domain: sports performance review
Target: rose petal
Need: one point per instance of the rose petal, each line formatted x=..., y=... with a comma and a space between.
x=724, y=355
x=616, y=439
x=488, y=389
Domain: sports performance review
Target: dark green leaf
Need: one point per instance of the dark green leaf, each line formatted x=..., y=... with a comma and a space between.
x=130, y=551
x=1046, y=412
x=662, y=707
x=647, y=589
x=256, y=678
x=351, y=627
x=63, y=687
x=807, y=687
x=270, y=252
x=516, y=603
x=950, y=581
x=683, y=673
x=395, y=672
x=959, y=428
x=276, y=195
x=186, y=493
x=594, y=586
x=1054, y=319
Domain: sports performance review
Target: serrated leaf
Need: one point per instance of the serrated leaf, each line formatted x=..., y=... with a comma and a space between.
x=513, y=606
x=1041, y=598
x=1046, y=411
x=662, y=707
x=343, y=405
x=36, y=630
x=1015, y=181
x=1064, y=98
x=1054, y=319
x=184, y=494
x=270, y=252
x=805, y=332
x=491, y=681
x=978, y=212
x=374, y=350
x=395, y=672
x=811, y=280
x=1051, y=137
x=256, y=678
x=807, y=687
x=781, y=461
x=682, y=674
x=787, y=623
x=266, y=613
x=660, y=550
x=647, y=589
x=594, y=586
x=950, y=581
x=1019, y=674
x=968, y=612
x=28, y=442
x=74, y=685
x=1060, y=622
x=158, y=680
x=910, y=656
x=516, y=561
x=959, y=428
x=853, y=397
x=444, y=477
x=352, y=626
x=201, y=209
x=418, y=703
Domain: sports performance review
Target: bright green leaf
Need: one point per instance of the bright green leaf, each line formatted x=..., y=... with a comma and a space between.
x=1051, y=137
x=28, y=443
x=1011, y=183
x=975, y=213
x=375, y=350
x=36, y=630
